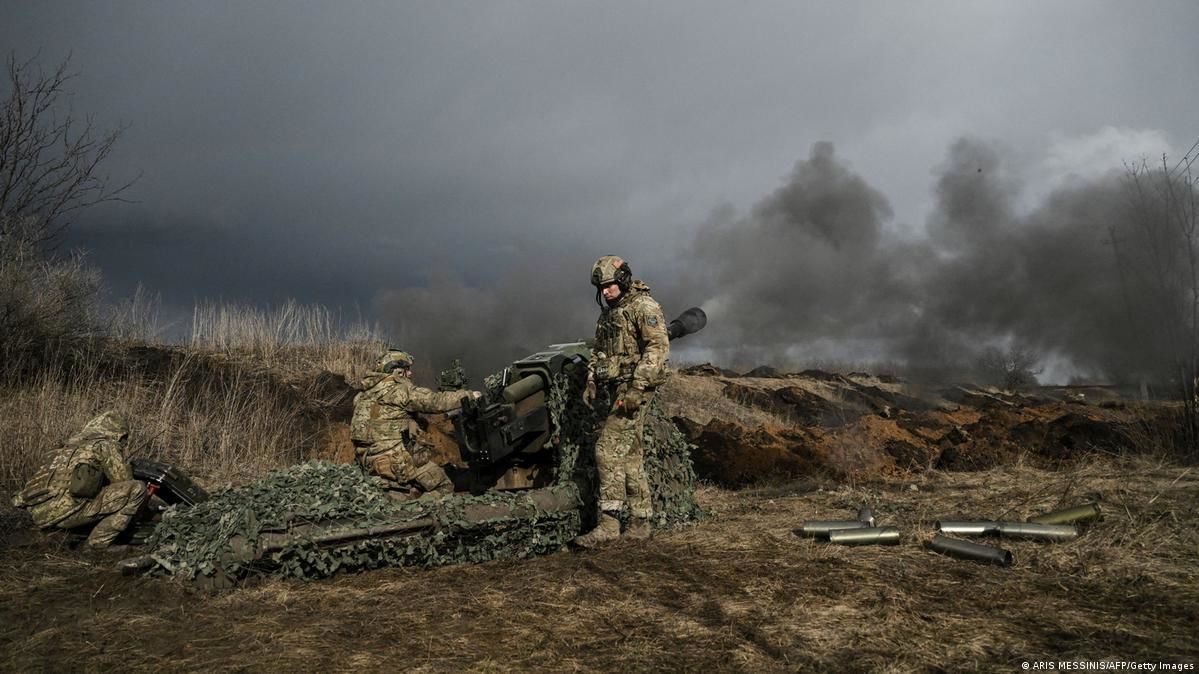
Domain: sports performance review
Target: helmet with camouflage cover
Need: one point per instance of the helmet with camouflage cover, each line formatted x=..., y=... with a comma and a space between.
x=611, y=269
x=393, y=360
x=111, y=425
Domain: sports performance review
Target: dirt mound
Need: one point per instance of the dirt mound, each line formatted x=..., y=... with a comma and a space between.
x=749, y=430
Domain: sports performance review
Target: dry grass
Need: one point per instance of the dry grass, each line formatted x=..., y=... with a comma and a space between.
x=243, y=398
x=702, y=399
x=737, y=592
x=290, y=336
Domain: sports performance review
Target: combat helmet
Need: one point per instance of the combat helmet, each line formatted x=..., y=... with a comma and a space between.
x=393, y=360
x=611, y=269
x=111, y=425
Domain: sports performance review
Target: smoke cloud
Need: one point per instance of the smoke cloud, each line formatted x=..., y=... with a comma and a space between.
x=813, y=273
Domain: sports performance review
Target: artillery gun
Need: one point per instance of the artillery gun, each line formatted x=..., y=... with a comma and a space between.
x=530, y=477
x=508, y=437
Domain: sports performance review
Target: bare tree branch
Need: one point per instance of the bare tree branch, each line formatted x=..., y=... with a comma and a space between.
x=50, y=160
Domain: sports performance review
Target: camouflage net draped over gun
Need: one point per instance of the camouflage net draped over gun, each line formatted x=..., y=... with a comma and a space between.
x=317, y=518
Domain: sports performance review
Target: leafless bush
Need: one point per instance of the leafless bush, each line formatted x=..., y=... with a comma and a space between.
x=1157, y=255
x=43, y=298
x=1012, y=369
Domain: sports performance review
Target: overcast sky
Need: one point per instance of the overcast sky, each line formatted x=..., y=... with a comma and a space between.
x=354, y=153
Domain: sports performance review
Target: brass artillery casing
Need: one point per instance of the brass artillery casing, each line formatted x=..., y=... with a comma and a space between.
x=523, y=389
x=865, y=536
x=865, y=514
x=967, y=528
x=1078, y=513
x=1044, y=532
x=821, y=528
x=968, y=550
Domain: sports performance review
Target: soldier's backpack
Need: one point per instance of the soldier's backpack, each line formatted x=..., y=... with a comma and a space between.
x=86, y=481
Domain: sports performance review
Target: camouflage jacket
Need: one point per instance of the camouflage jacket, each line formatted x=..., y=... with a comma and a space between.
x=631, y=344
x=48, y=496
x=382, y=412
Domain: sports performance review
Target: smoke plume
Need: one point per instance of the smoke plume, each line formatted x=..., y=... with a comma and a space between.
x=814, y=274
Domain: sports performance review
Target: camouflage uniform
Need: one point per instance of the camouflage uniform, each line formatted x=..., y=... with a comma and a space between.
x=629, y=359
x=99, y=445
x=383, y=429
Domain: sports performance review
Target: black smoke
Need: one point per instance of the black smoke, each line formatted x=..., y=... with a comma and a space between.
x=1086, y=278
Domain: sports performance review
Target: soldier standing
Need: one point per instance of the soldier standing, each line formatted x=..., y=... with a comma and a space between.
x=87, y=481
x=629, y=360
x=384, y=432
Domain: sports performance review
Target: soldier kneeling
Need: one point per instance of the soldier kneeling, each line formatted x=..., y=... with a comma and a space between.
x=85, y=482
x=384, y=431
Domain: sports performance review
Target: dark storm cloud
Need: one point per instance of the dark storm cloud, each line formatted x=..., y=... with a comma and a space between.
x=361, y=154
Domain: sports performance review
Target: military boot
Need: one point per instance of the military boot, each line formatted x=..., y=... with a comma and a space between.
x=607, y=530
x=639, y=529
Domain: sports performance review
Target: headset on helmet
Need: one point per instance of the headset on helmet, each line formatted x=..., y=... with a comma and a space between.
x=394, y=360
x=610, y=269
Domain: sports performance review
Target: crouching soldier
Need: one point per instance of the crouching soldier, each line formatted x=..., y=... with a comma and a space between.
x=384, y=432
x=86, y=482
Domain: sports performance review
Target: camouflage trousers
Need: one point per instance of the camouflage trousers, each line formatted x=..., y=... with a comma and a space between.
x=620, y=462
x=396, y=464
x=111, y=511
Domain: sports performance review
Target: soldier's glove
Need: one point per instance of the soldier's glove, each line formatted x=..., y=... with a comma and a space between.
x=632, y=400
x=589, y=392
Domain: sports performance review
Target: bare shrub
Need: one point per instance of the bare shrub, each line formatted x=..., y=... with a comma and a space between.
x=43, y=298
x=1013, y=369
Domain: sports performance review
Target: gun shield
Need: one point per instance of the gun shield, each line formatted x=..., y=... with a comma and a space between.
x=865, y=514
x=1078, y=513
x=1044, y=532
x=821, y=528
x=865, y=536
x=967, y=528
x=960, y=549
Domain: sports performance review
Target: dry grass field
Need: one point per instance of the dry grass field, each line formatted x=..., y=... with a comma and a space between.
x=735, y=592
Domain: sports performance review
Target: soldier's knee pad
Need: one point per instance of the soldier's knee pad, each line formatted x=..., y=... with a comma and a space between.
x=432, y=477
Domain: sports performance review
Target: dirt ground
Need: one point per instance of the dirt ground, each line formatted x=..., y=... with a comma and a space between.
x=737, y=591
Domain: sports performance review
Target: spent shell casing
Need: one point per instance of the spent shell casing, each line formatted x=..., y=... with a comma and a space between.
x=1033, y=530
x=1078, y=513
x=967, y=527
x=978, y=552
x=866, y=514
x=821, y=528
x=865, y=536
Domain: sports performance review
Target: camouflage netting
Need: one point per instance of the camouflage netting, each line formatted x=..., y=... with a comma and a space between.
x=317, y=518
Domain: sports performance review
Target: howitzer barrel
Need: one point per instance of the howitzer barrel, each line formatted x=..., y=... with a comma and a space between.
x=523, y=389
x=689, y=322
